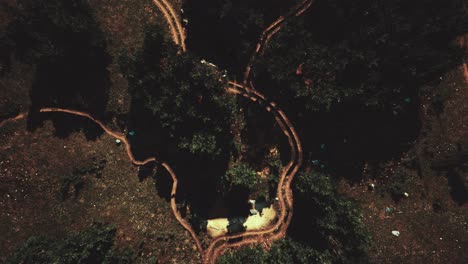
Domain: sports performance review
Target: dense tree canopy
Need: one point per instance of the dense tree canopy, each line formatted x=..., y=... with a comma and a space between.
x=181, y=93
x=226, y=31
x=332, y=220
x=372, y=52
x=326, y=228
x=240, y=175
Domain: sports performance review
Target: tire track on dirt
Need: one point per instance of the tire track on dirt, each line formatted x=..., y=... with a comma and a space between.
x=284, y=192
x=271, y=30
x=130, y=155
x=177, y=31
x=174, y=33
x=278, y=230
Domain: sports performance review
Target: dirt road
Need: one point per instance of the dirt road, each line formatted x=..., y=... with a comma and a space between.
x=284, y=193
x=271, y=30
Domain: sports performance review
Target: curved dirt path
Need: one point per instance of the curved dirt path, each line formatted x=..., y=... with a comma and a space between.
x=284, y=193
x=271, y=30
x=177, y=31
x=18, y=117
x=174, y=33
x=130, y=155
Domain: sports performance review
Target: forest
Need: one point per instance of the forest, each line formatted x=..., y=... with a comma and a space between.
x=363, y=84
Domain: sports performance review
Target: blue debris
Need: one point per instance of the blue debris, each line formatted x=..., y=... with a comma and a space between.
x=322, y=146
x=315, y=162
x=388, y=210
x=407, y=100
x=131, y=133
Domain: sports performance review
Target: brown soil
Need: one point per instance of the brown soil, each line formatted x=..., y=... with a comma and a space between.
x=433, y=226
x=32, y=170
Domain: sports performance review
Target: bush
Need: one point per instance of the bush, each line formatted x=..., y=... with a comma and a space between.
x=185, y=97
x=326, y=228
x=93, y=245
x=371, y=52
x=327, y=221
x=240, y=175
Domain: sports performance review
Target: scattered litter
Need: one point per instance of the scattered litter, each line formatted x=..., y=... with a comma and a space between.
x=118, y=141
x=131, y=133
x=388, y=210
x=396, y=233
x=251, y=201
x=182, y=10
x=185, y=21
x=371, y=187
x=407, y=100
x=440, y=238
x=406, y=194
x=203, y=61
x=276, y=198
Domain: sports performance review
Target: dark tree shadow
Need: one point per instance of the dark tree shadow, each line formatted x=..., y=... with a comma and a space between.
x=226, y=32
x=64, y=42
x=163, y=183
x=458, y=189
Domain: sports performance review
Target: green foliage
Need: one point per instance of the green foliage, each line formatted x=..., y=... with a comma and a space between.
x=240, y=175
x=372, y=52
x=234, y=28
x=93, y=245
x=201, y=143
x=335, y=222
x=254, y=255
x=326, y=228
x=186, y=97
x=285, y=251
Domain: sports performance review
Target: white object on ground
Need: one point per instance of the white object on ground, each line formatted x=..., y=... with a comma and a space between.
x=118, y=141
x=406, y=194
x=396, y=233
